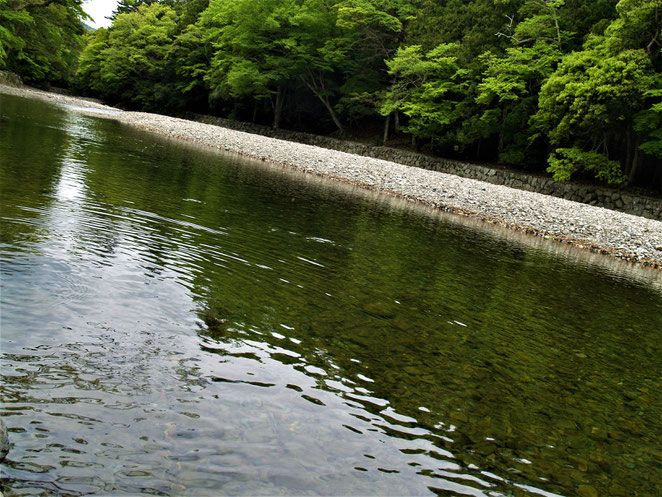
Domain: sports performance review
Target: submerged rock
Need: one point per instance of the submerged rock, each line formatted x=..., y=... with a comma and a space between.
x=4, y=441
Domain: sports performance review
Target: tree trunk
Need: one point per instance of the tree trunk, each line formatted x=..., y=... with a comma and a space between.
x=635, y=160
x=502, y=131
x=325, y=100
x=396, y=124
x=649, y=47
x=278, y=107
x=254, y=112
x=387, y=123
x=628, y=150
x=334, y=116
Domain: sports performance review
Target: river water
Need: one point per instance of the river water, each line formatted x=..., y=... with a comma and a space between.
x=178, y=322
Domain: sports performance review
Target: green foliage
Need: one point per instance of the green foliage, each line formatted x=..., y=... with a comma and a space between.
x=191, y=57
x=89, y=68
x=125, y=64
x=429, y=89
x=509, y=89
x=648, y=122
x=127, y=6
x=597, y=96
x=10, y=21
x=592, y=93
x=471, y=23
x=638, y=26
x=261, y=48
x=377, y=29
x=250, y=41
x=541, y=22
x=565, y=162
x=502, y=80
x=41, y=41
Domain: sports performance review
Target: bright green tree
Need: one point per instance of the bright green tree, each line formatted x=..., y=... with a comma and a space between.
x=189, y=60
x=126, y=63
x=10, y=22
x=41, y=40
x=509, y=92
x=591, y=102
x=511, y=81
x=250, y=43
x=648, y=122
x=88, y=77
x=429, y=89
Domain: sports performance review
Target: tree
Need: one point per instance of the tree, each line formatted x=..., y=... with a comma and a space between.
x=428, y=89
x=127, y=6
x=377, y=29
x=591, y=99
x=509, y=90
x=322, y=53
x=11, y=21
x=88, y=76
x=595, y=101
x=648, y=122
x=638, y=26
x=126, y=63
x=41, y=40
x=250, y=42
x=189, y=59
x=262, y=48
x=511, y=82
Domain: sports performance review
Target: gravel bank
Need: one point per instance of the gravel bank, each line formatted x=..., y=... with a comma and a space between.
x=620, y=235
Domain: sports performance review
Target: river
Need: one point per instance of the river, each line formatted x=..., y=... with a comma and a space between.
x=180, y=322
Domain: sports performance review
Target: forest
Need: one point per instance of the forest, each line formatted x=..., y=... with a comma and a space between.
x=570, y=87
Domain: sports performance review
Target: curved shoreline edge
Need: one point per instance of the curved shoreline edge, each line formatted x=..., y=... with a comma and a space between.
x=622, y=236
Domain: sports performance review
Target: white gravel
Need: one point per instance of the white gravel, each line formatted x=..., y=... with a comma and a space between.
x=621, y=235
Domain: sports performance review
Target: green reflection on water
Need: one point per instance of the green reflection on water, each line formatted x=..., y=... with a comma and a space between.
x=513, y=363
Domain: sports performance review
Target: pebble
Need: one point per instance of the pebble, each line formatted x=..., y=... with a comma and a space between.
x=594, y=228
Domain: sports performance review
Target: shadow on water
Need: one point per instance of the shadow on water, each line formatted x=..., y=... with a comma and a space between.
x=204, y=325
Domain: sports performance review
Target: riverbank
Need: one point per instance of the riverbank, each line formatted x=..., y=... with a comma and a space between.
x=629, y=200
x=620, y=235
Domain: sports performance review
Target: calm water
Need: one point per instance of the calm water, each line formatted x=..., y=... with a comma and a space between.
x=176, y=322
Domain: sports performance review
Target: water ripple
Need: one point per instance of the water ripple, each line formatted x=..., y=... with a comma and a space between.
x=175, y=323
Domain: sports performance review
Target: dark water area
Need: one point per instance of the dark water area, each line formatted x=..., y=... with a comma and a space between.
x=178, y=322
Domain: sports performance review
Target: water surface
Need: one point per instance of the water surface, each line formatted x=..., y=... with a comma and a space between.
x=178, y=322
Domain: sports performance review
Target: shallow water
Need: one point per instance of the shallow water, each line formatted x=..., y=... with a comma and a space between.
x=177, y=322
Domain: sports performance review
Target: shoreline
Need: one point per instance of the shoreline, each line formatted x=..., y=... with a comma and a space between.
x=622, y=236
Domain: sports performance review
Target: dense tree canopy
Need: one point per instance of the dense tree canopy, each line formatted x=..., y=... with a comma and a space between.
x=126, y=63
x=41, y=39
x=571, y=86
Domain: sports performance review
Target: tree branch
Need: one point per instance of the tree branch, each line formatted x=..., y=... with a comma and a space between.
x=654, y=41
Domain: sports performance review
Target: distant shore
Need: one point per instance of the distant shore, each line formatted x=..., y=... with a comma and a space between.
x=623, y=236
